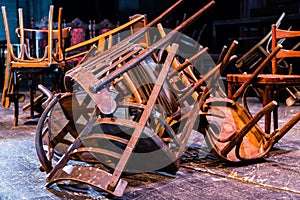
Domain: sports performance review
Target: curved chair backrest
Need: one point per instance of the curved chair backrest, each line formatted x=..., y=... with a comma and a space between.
x=48, y=36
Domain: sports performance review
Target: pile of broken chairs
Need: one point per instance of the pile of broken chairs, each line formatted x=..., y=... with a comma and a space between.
x=132, y=108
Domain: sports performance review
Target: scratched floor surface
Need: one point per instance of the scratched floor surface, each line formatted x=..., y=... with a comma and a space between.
x=201, y=176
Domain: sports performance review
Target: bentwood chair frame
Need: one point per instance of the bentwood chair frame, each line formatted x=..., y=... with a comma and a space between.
x=236, y=136
x=25, y=62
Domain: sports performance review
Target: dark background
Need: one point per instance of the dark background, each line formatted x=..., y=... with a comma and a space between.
x=116, y=12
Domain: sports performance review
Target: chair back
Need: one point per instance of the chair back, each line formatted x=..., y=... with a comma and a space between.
x=37, y=45
x=278, y=34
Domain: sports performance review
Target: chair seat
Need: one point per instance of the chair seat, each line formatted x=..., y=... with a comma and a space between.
x=266, y=79
x=264, y=82
x=35, y=65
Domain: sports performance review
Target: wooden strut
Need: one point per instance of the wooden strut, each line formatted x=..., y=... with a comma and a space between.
x=144, y=118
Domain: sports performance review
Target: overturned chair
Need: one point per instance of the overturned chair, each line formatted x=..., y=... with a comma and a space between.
x=237, y=138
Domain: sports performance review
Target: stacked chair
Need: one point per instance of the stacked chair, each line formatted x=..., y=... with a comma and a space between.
x=31, y=58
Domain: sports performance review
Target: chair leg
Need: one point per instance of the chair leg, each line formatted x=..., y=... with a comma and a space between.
x=267, y=99
x=16, y=98
x=31, y=88
x=229, y=90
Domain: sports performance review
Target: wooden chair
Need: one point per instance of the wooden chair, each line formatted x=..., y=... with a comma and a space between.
x=269, y=85
x=27, y=61
x=235, y=136
x=249, y=61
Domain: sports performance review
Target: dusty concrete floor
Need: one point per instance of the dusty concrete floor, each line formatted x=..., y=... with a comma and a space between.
x=200, y=177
